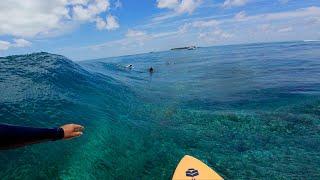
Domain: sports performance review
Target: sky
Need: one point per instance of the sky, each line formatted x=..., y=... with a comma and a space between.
x=91, y=29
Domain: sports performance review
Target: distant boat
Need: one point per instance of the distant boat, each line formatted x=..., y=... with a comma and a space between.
x=192, y=48
x=184, y=48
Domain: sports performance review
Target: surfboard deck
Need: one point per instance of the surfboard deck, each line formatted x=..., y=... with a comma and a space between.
x=190, y=168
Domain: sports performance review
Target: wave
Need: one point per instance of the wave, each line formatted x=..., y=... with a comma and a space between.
x=52, y=82
x=48, y=90
x=45, y=76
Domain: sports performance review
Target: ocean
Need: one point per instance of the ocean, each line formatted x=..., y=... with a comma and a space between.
x=248, y=111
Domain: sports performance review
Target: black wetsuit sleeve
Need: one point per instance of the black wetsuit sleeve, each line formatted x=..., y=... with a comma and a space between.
x=17, y=136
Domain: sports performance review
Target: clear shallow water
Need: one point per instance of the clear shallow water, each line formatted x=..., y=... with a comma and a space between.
x=248, y=111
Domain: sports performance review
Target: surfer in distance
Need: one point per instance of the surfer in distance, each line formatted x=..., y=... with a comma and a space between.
x=129, y=66
x=151, y=70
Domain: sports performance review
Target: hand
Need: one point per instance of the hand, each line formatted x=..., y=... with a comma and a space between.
x=72, y=130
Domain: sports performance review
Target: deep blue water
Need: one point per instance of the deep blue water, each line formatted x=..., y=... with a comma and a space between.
x=248, y=111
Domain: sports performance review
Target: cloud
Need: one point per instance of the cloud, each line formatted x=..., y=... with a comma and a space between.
x=110, y=23
x=118, y=4
x=287, y=25
x=205, y=24
x=179, y=6
x=304, y=12
x=29, y=18
x=34, y=18
x=170, y=4
x=245, y=28
x=165, y=34
x=21, y=43
x=234, y=3
x=165, y=16
x=89, y=11
x=240, y=16
x=284, y=1
x=264, y=27
x=199, y=25
x=285, y=29
x=78, y=2
x=100, y=23
x=135, y=33
x=131, y=39
x=214, y=36
x=208, y=31
x=188, y=6
x=136, y=37
x=309, y=14
x=4, y=45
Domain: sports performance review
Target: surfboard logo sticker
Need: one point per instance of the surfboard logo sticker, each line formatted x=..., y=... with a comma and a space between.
x=192, y=173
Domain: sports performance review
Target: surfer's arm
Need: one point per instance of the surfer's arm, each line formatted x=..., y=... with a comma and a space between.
x=17, y=136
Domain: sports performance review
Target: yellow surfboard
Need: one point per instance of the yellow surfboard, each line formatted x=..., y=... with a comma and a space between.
x=191, y=168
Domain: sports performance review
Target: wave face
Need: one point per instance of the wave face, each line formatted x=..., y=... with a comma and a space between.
x=248, y=111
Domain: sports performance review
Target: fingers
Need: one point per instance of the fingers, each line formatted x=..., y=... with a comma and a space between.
x=77, y=128
x=76, y=134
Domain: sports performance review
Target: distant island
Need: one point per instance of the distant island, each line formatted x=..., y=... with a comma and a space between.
x=184, y=48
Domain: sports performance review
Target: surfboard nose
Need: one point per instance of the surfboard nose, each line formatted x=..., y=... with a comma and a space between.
x=190, y=168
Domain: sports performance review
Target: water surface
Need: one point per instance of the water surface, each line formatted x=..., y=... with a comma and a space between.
x=248, y=111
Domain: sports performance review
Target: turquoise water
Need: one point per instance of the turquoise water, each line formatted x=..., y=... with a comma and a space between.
x=248, y=111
